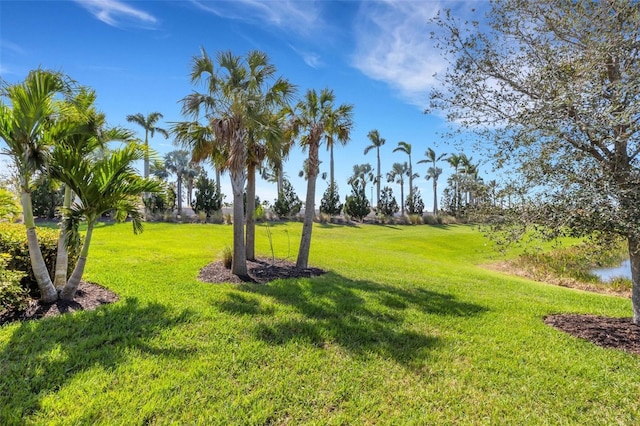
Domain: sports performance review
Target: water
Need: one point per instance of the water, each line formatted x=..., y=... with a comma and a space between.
x=607, y=274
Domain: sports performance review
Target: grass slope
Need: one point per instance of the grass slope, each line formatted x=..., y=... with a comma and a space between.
x=404, y=329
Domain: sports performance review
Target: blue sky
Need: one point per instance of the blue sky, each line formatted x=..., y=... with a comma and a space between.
x=376, y=55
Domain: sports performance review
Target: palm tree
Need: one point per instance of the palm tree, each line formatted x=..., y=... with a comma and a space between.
x=316, y=116
x=434, y=173
x=455, y=161
x=79, y=132
x=100, y=184
x=177, y=162
x=238, y=99
x=330, y=138
x=397, y=174
x=148, y=123
x=23, y=126
x=376, y=142
x=406, y=148
x=361, y=174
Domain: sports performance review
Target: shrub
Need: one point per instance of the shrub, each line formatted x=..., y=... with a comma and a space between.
x=13, y=242
x=9, y=206
x=414, y=203
x=288, y=204
x=207, y=199
x=357, y=204
x=388, y=205
x=415, y=219
x=330, y=202
x=12, y=295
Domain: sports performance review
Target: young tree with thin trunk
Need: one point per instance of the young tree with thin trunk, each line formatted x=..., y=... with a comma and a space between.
x=316, y=116
x=554, y=85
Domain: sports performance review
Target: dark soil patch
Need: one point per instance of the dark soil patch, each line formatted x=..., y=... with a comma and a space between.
x=260, y=271
x=88, y=297
x=616, y=333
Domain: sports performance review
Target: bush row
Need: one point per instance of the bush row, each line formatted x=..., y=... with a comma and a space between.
x=14, y=248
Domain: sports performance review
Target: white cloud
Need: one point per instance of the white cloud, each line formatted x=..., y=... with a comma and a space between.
x=393, y=45
x=310, y=58
x=288, y=15
x=117, y=13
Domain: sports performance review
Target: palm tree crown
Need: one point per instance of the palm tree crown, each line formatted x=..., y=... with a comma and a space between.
x=148, y=123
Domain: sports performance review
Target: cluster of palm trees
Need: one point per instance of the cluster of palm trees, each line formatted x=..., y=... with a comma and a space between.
x=52, y=129
x=242, y=120
x=401, y=170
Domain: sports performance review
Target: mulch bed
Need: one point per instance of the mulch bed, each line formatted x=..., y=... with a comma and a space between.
x=260, y=271
x=88, y=297
x=616, y=333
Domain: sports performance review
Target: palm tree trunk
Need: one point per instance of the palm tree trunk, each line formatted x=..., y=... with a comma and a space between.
x=331, y=170
x=402, y=199
x=280, y=179
x=239, y=263
x=68, y=293
x=146, y=154
x=251, y=209
x=217, y=179
x=435, y=197
x=378, y=179
x=634, y=255
x=62, y=257
x=179, y=194
x=48, y=292
x=309, y=206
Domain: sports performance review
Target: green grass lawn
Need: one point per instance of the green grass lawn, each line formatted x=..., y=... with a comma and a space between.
x=405, y=328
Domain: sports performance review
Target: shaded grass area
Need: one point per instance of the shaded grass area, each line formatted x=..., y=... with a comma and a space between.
x=404, y=329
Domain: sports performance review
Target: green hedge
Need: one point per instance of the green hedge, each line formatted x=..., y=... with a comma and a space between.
x=13, y=242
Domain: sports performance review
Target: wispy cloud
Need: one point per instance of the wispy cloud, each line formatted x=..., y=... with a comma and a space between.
x=6, y=45
x=312, y=59
x=287, y=15
x=118, y=14
x=393, y=46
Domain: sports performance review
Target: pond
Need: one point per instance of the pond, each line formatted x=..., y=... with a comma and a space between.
x=621, y=271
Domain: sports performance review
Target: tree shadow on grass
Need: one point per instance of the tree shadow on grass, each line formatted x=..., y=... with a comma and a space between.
x=362, y=317
x=41, y=356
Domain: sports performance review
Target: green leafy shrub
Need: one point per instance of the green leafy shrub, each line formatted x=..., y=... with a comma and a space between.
x=388, y=205
x=330, y=202
x=414, y=203
x=207, y=198
x=288, y=204
x=12, y=295
x=357, y=204
x=13, y=243
x=9, y=206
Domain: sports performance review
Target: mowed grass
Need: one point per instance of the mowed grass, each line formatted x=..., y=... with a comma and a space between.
x=405, y=328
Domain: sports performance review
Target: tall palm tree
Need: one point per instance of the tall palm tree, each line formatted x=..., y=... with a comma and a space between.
x=454, y=161
x=406, y=148
x=148, y=123
x=330, y=139
x=316, y=116
x=239, y=97
x=101, y=184
x=376, y=142
x=23, y=126
x=397, y=175
x=177, y=162
x=433, y=173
